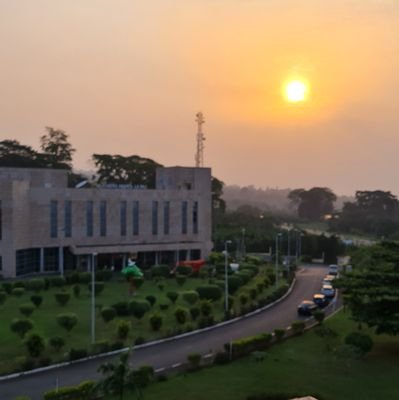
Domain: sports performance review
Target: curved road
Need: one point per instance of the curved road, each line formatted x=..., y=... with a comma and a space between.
x=165, y=355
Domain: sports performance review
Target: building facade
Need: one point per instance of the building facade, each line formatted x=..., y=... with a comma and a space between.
x=47, y=227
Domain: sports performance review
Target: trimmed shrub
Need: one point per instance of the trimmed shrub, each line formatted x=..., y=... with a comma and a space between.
x=279, y=334
x=161, y=286
x=194, y=360
x=57, y=343
x=195, y=313
x=209, y=292
x=76, y=354
x=221, y=358
x=163, y=306
x=35, y=285
x=123, y=329
x=121, y=308
x=160, y=271
x=319, y=316
x=181, y=279
x=244, y=275
x=7, y=287
x=361, y=341
x=138, y=308
x=62, y=298
x=26, y=309
x=76, y=290
x=72, y=278
x=81, y=391
x=203, y=322
x=98, y=287
x=108, y=314
x=180, y=315
x=247, y=345
x=260, y=287
x=57, y=281
x=34, y=344
x=3, y=298
x=156, y=322
x=67, y=321
x=101, y=346
x=244, y=299
x=138, y=282
x=298, y=327
x=235, y=282
x=206, y=308
x=172, y=296
x=85, y=277
x=18, y=284
x=151, y=299
x=18, y=291
x=21, y=326
x=253, y=293
x=184, y=270
x=190, y=296
x=36, y=299
x=103, y=275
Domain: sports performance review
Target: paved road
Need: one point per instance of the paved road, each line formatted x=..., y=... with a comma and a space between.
x=171, y=353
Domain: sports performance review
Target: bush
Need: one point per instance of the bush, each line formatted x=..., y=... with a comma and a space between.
x=184, y=270
x=142, y=377
x=155, y=322
x=103, y=275
x=44, y=361
x=27, y=364
x=161, y=286
x=235, y=282
x=57, y=281
x=244, y=275
x=26, y=309
x=101, y=346
x=319, y=316
x=279, y=334
x=57, y=343
x=190, y=296
x=36, y=299
x=203, y=322
x=253, y=293
x=163, y=306
x=194, y=360
x=206, y=308
x=35, y=345
x=76, y=354
x=35, y=285
x=18, y=291
x=18, y=284
x=298, y=327
x=137, y=281
x=209, y=292
x=160, y=271
x=121, y=308
x=123, y=329
x=98, y=287
x=79, y=392
x=181, y=279
x=67, y=321
x=243, y=299
x=139, y=340
x=195, y=313
x=247, y=345
x=117, y=345
x=62, y=298
x=138, y=308
x=76, y=290
x=21, y=326
x=72, y=278
x=361, y=341
x=221, y=358
x=7, y=287
x=151, y=299
x=108, y=314
x=3, y=298
x=85, y=277
x=260, y=287
x=172, y=296
x=180, y=315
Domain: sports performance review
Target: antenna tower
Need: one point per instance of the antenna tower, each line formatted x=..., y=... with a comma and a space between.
x=199, y=156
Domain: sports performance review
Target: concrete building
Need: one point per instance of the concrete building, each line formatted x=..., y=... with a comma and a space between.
x=47, y=227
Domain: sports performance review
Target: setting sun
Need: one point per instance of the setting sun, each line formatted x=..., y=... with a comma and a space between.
x=295, y=91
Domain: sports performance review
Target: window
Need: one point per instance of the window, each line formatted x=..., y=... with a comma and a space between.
x=103, y=218
x=184, y=206
x=166, y=217
x=68, y=218
x=136, y=211
x=155, y=218
x=53, y=218
x=195, y=217
x=27, y=261
x=89, y=218
x=123, y=215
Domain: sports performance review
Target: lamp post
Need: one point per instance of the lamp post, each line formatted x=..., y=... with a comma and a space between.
x=226, y=281
x=277, y=239
x=93, y=298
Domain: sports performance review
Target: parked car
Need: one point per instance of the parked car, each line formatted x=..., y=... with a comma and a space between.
x=320, y=300
x=306, y=308
x=328, y=279
x=328, y=291
x=333, y=269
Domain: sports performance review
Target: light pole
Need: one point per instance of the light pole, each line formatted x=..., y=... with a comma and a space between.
x=288, y=249
x=226, y=281
x=277, y=239
x=93, y=298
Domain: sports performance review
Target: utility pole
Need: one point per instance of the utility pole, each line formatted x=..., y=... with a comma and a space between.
x=199, y=156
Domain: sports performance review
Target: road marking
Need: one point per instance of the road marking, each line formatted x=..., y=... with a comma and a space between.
x=176, y=365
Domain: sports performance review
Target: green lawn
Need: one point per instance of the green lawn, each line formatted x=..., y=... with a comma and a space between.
x=12, y=349
x=300, y=365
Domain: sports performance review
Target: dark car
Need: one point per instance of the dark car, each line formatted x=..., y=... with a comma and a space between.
x=306, y=308
x=320, y=300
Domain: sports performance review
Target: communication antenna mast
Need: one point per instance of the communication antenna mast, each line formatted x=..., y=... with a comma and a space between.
x=199, y=156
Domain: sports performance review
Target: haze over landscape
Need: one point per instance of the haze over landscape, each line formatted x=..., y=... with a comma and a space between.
x=128, y=77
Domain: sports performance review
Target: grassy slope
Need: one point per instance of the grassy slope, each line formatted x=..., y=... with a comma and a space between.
x=300, y=365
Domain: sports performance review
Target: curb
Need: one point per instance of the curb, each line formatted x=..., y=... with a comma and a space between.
x=149, y=344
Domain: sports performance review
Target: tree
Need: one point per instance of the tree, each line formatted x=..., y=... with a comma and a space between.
x=57, y=148
x=133, y=170
x=35, y=345
x=21, y=326
x=138, y=308
x=361, y=341
x=67, y=321
x=57, y=342
x=217, y=192
x=155, y=322
x=180, y=315
x=371, y=290
x=14, y=154
x=314, y=203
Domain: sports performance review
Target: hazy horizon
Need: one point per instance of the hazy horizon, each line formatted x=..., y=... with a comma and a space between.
x=127, y=77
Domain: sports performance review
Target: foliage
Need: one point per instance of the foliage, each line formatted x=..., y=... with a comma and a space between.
x=209, y=292
x=36, y=299
x=21, y=326
x=35, y=285
x=151, y=299
x=185, y=270
x=138, y=308
x=57, y=148
x=3, y=298
x=137, y=281
x=108, y=314
x=103, y=275
x=319, y=316
x=298, y=327
x=244, y=299
x=235, y=282
x=62, y=298
x=123, y=329
x=98, y=287
x=172, y=296
x=85, y=277
x=26, y=309
x=361, y=341
x=57, y=342
x=67, y=321
x=57, y=281
x=194, y=360
x=79, y=392
x=18, y=291
x=195, y=312
x=180, y=315
x=279, y=334
x=35, y=344
x=76, y=354
x=190, y=296
x=76, y=290
x=206, y=308
x=246, y=345
x=155, y=322
x=121, y=308
x=162, y=271
x=181, y=279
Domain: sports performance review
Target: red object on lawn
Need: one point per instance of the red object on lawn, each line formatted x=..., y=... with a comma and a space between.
x=196, y=265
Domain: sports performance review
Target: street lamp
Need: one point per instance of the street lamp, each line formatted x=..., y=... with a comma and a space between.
x=226, y=281
x=277, y=239
x=93, y=299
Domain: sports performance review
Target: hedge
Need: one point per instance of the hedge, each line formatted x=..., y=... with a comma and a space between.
x=78, y=392
x=160, y=271
x=209, y=292
x=247, y=345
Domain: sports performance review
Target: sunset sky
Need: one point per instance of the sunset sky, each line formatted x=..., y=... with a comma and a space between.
x=128, y=76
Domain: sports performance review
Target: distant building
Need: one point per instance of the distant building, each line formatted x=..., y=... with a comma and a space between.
x=47, y=227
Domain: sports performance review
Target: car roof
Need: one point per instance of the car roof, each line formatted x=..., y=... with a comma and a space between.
x=306, y=302
x=319, y=296
x=327, y=287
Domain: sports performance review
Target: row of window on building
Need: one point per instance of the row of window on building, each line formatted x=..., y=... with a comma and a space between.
x=135, y=210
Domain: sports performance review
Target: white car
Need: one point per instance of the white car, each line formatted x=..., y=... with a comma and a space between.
x=328, y=291
x=328, y=280
x=333, y=269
